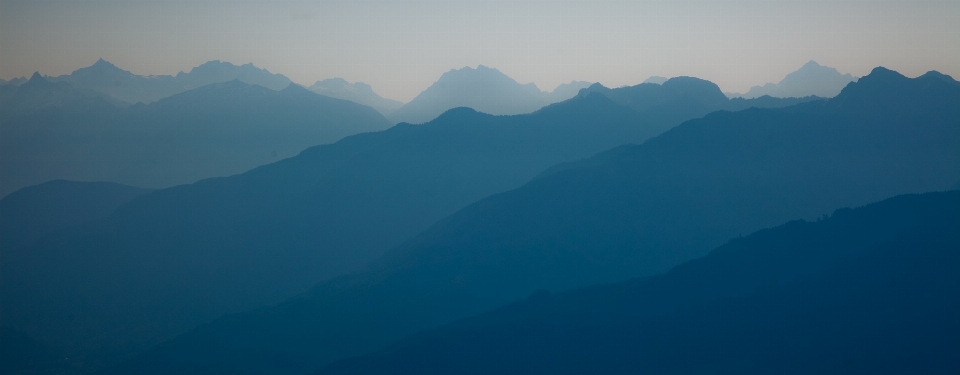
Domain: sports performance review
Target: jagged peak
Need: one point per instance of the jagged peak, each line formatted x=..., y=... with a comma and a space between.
x=36, y=77
x=104, y=65
x=468, y=69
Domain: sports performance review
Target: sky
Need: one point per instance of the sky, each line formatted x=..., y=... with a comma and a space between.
x=400, y=47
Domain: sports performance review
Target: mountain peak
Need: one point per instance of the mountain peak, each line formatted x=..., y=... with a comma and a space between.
x=104, y=65
x=940, y=76
x=882, y=74
x=36, y=77
x=35, y=81
x=811, y=79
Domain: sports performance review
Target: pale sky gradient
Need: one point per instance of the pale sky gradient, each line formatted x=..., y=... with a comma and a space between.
x=400, y=47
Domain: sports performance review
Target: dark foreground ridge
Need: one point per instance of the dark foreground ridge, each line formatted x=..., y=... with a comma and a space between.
x=871, y=290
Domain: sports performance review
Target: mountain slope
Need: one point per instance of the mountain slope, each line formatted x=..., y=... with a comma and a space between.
x=874, y=289
x=638, y=210
x=231, y=244
x=811, y=79
x=21, y=355
x=357, y=92
x=215, y=130
x=30, y=213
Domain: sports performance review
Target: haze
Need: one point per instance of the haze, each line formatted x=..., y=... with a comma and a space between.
x=401, y=47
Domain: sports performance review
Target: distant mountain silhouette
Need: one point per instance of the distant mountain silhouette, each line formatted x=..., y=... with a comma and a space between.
x=811, y=79
x=869, y=290
x=39, y=94
x=483, y=89
x=657, y=80
x=54, y=131
x=218, y=72
x=357, y=92
x=13, y=82
x=632, y=211
x=565, y=91
x=32, y=212
x=123, y=85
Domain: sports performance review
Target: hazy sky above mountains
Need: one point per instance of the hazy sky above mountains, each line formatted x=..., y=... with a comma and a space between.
x=400, y=47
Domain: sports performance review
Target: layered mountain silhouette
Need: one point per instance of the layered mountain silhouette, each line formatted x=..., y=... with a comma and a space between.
x=874, y=290
x=682, y=98
x=565, y=91
x=290, y=224
x=52, y=130
x=485, y=90
x=217, y=71
x=357, y=92
x=811, y=79
x=632, y=211
x=38, y=94
x=123, y=85
x=230, y=244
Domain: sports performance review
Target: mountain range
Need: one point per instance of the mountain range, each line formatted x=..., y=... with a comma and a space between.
x=290, y=224
x=52, y=130
x=484, y=89
x=874, y=289
x=123, y=85
x=632, y=211
x=811, y=79
x=357, y=92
